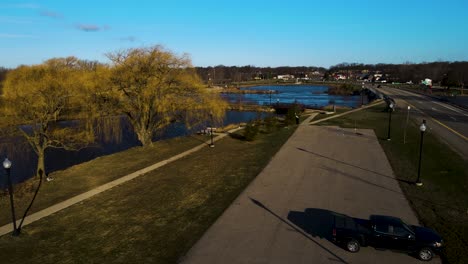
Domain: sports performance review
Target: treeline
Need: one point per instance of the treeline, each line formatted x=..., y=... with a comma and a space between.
x=443, y=73
x=229, y=74
x=3, y=73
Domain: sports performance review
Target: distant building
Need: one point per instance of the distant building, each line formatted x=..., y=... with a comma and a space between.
x=285, y=77
x=340, y=77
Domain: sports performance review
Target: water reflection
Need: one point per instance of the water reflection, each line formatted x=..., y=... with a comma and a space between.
x=24, y=159
x=309, y=95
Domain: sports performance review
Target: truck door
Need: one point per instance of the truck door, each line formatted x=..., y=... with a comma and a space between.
x=383, y=236
x=403, y=239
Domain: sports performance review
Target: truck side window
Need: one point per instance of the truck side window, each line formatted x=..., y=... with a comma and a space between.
x=382, y=228
x=400, y=231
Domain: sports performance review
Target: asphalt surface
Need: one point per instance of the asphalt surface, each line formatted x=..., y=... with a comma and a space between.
x=449, y=122
x=283, y=216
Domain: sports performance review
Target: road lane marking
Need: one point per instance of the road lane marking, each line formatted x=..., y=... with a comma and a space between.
x=440, y=123
x=451, y=108
x=415, y=108
x=437, y=121
x=410, y=93
x=441, y=104
x=454, y=119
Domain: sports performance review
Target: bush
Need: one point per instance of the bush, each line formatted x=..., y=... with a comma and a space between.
x=271, y=124
x=251, y=131
x=294, y=110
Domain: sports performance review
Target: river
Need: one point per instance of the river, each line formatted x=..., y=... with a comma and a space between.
x=312, y=96
x=24, y=159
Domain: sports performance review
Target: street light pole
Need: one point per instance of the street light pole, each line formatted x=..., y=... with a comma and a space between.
x=7, y=167
x=362, y=96
x=406, y=125
x=211, y=131
x=422, y=128
x=390, y=120
x=17, y=229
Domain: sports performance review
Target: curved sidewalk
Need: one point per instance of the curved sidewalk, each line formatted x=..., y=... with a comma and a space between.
x=76, y=199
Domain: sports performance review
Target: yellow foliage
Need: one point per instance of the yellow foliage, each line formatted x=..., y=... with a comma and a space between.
x=39, y=96
x=155, y=87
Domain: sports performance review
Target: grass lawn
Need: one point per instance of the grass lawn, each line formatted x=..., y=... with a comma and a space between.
x=155, y=218
x=441, y=203
x=86, y=176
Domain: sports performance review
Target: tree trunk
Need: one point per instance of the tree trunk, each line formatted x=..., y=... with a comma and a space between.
x=145, y=137
x=40, y=162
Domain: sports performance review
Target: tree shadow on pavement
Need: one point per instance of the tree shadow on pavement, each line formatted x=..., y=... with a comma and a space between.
x=357, y=178
x=354, y=166
x=425, y=202
x=295, y=228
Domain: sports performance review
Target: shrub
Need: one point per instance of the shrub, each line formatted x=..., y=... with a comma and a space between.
x=294, y=110
x=271, y=124
x=251, y=131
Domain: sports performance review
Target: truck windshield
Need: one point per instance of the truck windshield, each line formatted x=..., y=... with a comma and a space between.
x=405, y=225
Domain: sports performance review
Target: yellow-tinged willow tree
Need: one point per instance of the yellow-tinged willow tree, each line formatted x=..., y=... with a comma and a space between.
x=155, y=87
x=39, y=97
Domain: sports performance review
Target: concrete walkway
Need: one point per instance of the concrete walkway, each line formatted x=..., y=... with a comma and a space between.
x=284, y=215
x=79, y=198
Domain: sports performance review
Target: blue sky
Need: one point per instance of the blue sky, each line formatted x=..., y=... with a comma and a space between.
x=260, y=33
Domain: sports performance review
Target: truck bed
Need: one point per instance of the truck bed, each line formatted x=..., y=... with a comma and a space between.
x=345, y=226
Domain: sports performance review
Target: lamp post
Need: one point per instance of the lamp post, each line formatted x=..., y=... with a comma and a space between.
x=390, y=120
x=362, y=96
x=422, y=128
x=211, y=131
x=17, y=229
x=7, y=167
x=406, y=125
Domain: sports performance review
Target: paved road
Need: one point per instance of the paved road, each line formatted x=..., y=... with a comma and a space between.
x=448, y=122
x=284, y=214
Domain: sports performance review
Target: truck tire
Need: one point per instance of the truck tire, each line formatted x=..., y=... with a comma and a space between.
x=425, y=254
x=353, y=245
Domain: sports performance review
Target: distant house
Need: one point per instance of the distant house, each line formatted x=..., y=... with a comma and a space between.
x=285, y=77
x=340, y=77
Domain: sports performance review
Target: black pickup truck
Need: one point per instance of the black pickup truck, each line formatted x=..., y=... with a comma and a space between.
x=385, y=232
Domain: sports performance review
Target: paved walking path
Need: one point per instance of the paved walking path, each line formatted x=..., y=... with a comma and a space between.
x=76, y=199
x=284, y=215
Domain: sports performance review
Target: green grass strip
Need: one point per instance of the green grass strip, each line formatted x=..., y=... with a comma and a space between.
x=441, y=203
x=155, y=218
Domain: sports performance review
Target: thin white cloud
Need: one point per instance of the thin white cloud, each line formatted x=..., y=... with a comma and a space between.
x=16, y=20
x=21, y=6
x=10, y=36
x=92, y=28
x=48, y=13
x=88, y=28
x=129, y=39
